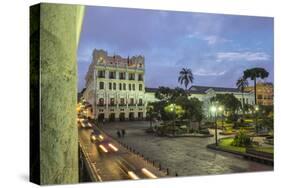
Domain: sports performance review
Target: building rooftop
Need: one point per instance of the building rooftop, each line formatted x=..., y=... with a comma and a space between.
x=203, y=89
x=150, y=89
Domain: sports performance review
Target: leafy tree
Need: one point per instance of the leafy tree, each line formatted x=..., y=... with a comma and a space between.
x=229, y=101
x=164, y=93
x=151, y=113
x=168, y=94
x=174, y=111
x=242, y=139
x=241, y=84
x=253, y=74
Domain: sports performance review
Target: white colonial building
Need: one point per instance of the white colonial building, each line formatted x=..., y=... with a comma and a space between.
x=205, y=93
x=115, y=87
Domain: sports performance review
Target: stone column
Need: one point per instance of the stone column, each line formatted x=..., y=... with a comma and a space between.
x=59, y=35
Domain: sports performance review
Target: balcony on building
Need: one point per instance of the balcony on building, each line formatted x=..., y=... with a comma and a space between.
x=100, y=104
x=101, y=74
x=111, y=104
x=112, y=75
x=131, y=77
x=140, y=77
x=122, y=76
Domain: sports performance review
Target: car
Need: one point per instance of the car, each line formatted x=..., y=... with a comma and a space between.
x=128, y=169
x=84, y=123
x=96, y=136
x=106, y=146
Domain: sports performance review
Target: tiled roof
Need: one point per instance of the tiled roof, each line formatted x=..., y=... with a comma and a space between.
x=203, y=89
x=149, y=89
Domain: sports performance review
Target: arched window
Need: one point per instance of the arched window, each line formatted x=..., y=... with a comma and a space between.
x=101, y=101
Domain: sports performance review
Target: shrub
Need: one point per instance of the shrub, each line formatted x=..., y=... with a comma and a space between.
x=204, y=131
x=242, y=139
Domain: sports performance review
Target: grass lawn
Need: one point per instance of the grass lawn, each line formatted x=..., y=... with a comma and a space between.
x=226, y=144
x=265, y=149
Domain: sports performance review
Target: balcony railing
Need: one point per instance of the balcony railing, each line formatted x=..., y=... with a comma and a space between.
x=131, y=78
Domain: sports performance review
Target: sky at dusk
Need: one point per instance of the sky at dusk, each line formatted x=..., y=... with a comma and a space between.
x=216, y=47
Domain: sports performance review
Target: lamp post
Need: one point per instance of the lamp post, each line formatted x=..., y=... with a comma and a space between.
x=221, y=111
x=173, y=106
x=214, y=110
x=256, y=113
x=150, y=108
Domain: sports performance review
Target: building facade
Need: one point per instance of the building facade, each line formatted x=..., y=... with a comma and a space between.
x=264, y=93
x=115, y=87
x=205, y=93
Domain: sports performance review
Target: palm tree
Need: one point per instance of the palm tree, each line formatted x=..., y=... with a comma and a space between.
x=255, y=73
x=241, y=84
x=185, y=77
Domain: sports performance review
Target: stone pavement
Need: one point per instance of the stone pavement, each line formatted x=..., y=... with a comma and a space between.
x=185, y=156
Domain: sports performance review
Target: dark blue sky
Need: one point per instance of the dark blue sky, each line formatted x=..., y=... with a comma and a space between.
x=216, y=47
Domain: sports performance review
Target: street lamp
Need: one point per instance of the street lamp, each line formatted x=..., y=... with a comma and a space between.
x=172, y=108
x=256, y=113
x=221, y=111
x=214, y=110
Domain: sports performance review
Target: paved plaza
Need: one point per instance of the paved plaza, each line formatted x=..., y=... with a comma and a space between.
x=185, y=155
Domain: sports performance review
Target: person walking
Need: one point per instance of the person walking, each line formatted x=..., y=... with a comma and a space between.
x=123, y=133
x=118, y=133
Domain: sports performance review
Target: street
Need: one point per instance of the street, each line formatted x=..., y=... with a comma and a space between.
x=186, y=156
x=115, y=166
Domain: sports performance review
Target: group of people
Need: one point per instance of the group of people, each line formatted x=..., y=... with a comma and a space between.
x=121, y=133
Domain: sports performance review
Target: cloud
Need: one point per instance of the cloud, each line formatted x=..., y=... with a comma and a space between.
x=210, y=39
x=204, y=72
x=242, y=56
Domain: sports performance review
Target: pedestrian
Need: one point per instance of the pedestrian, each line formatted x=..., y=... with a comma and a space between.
x=118, y=133
x=123, y=133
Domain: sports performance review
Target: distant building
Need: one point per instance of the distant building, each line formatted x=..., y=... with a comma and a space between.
x=115, y=87
x=205, y=93
x=264, y=93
